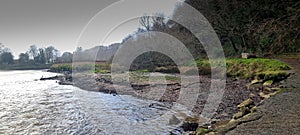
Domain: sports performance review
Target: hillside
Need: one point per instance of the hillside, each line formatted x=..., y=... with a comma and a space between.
x=97, y=53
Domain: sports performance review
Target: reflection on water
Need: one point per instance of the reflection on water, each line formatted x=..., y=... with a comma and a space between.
x=30, y=106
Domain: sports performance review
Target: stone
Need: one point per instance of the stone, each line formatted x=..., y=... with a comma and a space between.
x=238, y=115
x=257, y=86
x=174, y=120
x=211, y=133
x=246, y=103
x=244, y=108
x=192, y=133
x=256, y=81
x=233, y=123
x=250, y=117
x=248, y=55
x=201, y=131
x=192, y=119
x=219, y=123
x=268, y=83
x=275, y=89
x=267, y=89
x=187, y=126
x=263, y=95
x=253, y=109
x=252, y=95
x=230, y=125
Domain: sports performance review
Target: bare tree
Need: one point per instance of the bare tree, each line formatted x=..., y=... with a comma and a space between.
x=6, y=58
x=51, y=54
x=67, y=57
x=145, y=21
x=23, y=58
x=1, y=48
x=33, y=51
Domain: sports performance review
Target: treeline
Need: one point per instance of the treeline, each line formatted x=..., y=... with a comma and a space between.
x=6, y=56
x=268, y=27
x=257, y=26
x=35, y=57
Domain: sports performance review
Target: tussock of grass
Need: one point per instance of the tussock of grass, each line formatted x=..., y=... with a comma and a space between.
x=271, y=75
x=265, y=69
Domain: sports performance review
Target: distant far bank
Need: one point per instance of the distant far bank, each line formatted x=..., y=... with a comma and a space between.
x=25, y=67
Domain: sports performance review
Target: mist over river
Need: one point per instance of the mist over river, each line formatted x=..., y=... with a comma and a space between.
x=31, y=106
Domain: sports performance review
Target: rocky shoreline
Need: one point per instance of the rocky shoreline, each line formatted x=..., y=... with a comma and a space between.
x=280, y=113
x=64, y=79
x=231, y=112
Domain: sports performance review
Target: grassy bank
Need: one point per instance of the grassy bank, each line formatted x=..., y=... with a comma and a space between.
x=259, y=68
x=81, y=67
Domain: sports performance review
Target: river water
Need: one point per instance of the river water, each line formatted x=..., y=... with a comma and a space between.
x=31, y=106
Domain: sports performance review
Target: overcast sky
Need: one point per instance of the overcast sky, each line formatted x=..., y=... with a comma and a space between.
x=57, y=22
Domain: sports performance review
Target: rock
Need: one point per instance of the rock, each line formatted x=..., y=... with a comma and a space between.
x=253, y=109
x=192, y=133
x=238, y=115
x=233, y=123
x=252, y=95
x=225, y=128
x=64, y=82
x=268, y=83
x=51, y=78
x=275, y=89
x=257, y=86
x=248, y=55
x=250, y=117
x=246, y=103
x=263, y=95
x=267, y=89
x=244, y=108
x=211, y=133
x=192, y=119
x=187, y=126
x=201, y=131
x=256, y=81
x=174, y=120
x=219, y=123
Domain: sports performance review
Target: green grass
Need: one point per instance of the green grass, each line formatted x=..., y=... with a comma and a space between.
x=137, y=76
x=61, y=67
x=258, y=68
x=101, y=71
x=83, y=67
x=143, y=71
